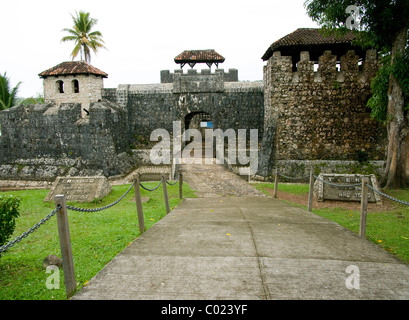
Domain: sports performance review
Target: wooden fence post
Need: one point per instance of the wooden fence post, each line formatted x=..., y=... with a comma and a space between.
x=310, y=191
x=364, y=206
x=165, y=192
x=139, y=207
x=276, y=183
x=180, y=185
x=65, y=245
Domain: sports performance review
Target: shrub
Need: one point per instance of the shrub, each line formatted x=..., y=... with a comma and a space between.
x=9, y=206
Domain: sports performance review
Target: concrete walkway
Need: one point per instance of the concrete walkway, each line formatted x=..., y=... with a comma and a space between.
x=248, y=247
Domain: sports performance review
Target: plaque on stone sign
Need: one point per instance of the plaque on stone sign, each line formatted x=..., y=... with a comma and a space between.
x=80, y=189
x=332, y=190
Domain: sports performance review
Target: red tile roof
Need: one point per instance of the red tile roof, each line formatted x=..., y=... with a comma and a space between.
x=308, y=37
x=199, y=56
x=71, y=68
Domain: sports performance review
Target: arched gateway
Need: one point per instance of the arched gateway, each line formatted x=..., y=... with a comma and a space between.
x=199, y=121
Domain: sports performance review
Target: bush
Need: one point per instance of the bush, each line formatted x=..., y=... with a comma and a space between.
x=9, y=206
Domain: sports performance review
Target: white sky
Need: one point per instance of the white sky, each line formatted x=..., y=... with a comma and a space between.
x=143, y=37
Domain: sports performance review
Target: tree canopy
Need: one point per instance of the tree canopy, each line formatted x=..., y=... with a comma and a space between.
x=83, y=36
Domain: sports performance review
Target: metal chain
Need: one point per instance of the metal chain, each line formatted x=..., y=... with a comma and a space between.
x=29, y=231
x=103, y=208
x=387, y=196
x=300, y=178
x=147, y=189
x=48, y=217
x=173, y=183
x=338, y=185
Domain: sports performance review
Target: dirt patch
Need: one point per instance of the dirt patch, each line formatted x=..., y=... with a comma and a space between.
x=386, y=204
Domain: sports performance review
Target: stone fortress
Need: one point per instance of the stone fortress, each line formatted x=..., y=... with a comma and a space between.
x=310, y=108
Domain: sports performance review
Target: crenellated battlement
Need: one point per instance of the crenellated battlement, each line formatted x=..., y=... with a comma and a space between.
x=98, y=112
x=328, y=68
x=231, y=76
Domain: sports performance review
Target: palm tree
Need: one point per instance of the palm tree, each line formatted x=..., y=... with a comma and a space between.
x=7, y=96
x=85, y=39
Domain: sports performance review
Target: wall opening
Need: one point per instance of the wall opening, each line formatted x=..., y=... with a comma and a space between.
x=193, y=120
x=361, y=64
x=60, y=86
x=75, y=86
x=338, y=66
x=199, y=121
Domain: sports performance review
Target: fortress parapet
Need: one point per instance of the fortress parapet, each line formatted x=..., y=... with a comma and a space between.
x=231, y=76
x=328, y=68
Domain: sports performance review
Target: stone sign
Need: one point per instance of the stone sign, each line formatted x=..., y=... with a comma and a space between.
x=326, y=191
x=80, y=189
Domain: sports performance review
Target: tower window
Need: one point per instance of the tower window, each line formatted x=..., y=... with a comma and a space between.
x=75, y=86
x=60, y=86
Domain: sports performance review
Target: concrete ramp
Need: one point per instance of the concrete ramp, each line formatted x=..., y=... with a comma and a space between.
x=251, y=248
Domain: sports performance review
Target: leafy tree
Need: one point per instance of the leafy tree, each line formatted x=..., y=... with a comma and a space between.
x=384, y=25
x=84, y=38
x=8, y=96
x=9, y=212
x=33, y=100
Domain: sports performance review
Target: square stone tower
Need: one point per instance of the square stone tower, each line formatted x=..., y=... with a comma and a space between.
x=73, y=82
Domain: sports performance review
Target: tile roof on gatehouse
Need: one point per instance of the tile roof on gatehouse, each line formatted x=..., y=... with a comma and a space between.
x=191, y=57
x=199, y=56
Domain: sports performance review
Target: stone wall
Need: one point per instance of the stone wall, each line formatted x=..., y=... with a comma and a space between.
x=322, y=114
x=46, y=140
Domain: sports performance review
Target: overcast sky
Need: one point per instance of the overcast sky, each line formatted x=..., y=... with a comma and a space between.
x=143, y=37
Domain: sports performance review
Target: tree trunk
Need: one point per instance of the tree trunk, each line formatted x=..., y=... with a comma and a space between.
x=396, y=174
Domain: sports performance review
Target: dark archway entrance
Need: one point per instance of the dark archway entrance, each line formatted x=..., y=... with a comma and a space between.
x=200, y=121
x=194, y=119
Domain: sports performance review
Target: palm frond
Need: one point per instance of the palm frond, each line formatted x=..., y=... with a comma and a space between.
x=72, y=31
x=83, y=36
x=69, y=38
x=95, y=33
x=13, y=95
x=2, y=105
x=75, y=51
x=7, y=96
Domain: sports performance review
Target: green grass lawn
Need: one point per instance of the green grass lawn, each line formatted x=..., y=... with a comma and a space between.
x=96, y=239
x=388, y=229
